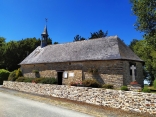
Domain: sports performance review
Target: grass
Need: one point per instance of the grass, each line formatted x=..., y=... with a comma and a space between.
x=153, y=90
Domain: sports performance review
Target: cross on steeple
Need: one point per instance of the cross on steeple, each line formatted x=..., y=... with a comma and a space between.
x=133, y=72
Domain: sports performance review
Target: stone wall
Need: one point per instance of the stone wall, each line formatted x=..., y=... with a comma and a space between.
x=72, y=76
x=116, y=72
x=115, y=80
x=125, y=100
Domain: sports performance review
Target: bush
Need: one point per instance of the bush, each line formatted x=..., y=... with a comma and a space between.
x=19, y=73
x=35, y=71
x=37, y=80
x=91, y=83
x=73, y=83
x=3, y=75
x=48, y=81
x=14, y=75
x=108, y=86
x=154, y=84
x=28, y=79
x=146, y=90
x=20, y=79
x=124, y=88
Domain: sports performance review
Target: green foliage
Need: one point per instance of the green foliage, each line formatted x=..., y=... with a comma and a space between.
x=2, y=47
x=91, y=83
x=124, y=88
x=28, y=80
x=49, y=41
x=35, y=71
x=78, y=38
x=18, y=73
x=108, y=86
x=49, y=81
x=15, y=51
x=98, y=34
x=146, y=90
x=154, y=84
x=3, y=75
x=37, y=80
x=20, y=79
x=148, y=54
x=14, y=75
x=133, y=43
x=145, y=10
x=94, y=35
x=56, y=42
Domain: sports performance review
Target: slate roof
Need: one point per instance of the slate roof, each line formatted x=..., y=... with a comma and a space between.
x=108, y=48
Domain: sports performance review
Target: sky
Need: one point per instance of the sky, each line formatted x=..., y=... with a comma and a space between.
x=20, y=19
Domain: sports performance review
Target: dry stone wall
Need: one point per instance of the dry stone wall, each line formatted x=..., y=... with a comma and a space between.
x=125, y=100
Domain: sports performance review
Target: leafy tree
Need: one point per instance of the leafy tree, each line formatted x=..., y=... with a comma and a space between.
x=16, y=51
x=11, y=55
x=49, y=41
x=3, y=75
x=56, y=43
x=2, y=46
x=78, y=38
x=133, y=43
x=98, y=34
x=148, y=54
x=145, y=10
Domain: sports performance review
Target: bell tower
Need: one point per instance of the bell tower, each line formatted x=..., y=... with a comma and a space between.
x=44, y=36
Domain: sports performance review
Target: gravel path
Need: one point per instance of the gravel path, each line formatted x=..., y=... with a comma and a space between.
x=93, y=110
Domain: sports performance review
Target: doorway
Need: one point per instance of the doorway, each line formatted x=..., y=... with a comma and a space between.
x=59, y=77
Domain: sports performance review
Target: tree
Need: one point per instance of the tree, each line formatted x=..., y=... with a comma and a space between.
x=16, y=51
x=2, y=46
x=49, y=41
x=56, y=42
x=11, y=56
x=148, y=54
x=98, y=34
x=133, y=43
x=13, y=52
x=78, y=38
x=145, y=10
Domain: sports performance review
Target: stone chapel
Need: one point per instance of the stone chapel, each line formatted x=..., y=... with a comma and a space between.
x=108, y=60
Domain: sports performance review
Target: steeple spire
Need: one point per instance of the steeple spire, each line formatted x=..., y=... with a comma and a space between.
x=44, y=36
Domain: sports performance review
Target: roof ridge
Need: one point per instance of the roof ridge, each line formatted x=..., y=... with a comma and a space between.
x=86, y=40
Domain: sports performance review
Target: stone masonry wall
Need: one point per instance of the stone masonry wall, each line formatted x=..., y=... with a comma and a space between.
x=115, y=80
x=116, y=72
x=125, y=100
x=76, y=77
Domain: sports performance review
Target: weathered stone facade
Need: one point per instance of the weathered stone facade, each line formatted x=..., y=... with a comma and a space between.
x=115, y=72
x=125, y=100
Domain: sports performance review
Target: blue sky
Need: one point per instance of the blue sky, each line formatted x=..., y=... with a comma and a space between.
x=66, y=18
